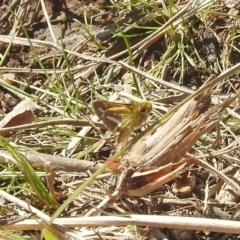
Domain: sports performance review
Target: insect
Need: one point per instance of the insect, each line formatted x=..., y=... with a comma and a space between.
x=122, y=118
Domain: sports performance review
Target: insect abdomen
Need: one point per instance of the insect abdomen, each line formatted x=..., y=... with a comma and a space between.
x=123, y=135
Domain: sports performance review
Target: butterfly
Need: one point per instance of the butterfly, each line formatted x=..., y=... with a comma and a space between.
x=122, y=118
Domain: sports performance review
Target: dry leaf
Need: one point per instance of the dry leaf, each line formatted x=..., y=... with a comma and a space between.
x=170, y=143
x=21, y=114
x=142, y=183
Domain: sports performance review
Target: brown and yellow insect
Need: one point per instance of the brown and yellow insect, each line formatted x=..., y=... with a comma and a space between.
x=122, y=118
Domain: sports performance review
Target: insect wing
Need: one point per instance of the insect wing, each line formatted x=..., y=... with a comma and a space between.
x=100, y=107
x=117, y=118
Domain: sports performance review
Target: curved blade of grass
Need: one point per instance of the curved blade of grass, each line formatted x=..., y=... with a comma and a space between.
x=29, y=175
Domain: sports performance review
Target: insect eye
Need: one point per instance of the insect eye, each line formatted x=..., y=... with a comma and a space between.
x=142, y=110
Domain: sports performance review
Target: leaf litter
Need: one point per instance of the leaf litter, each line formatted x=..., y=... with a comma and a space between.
x=185, y=165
